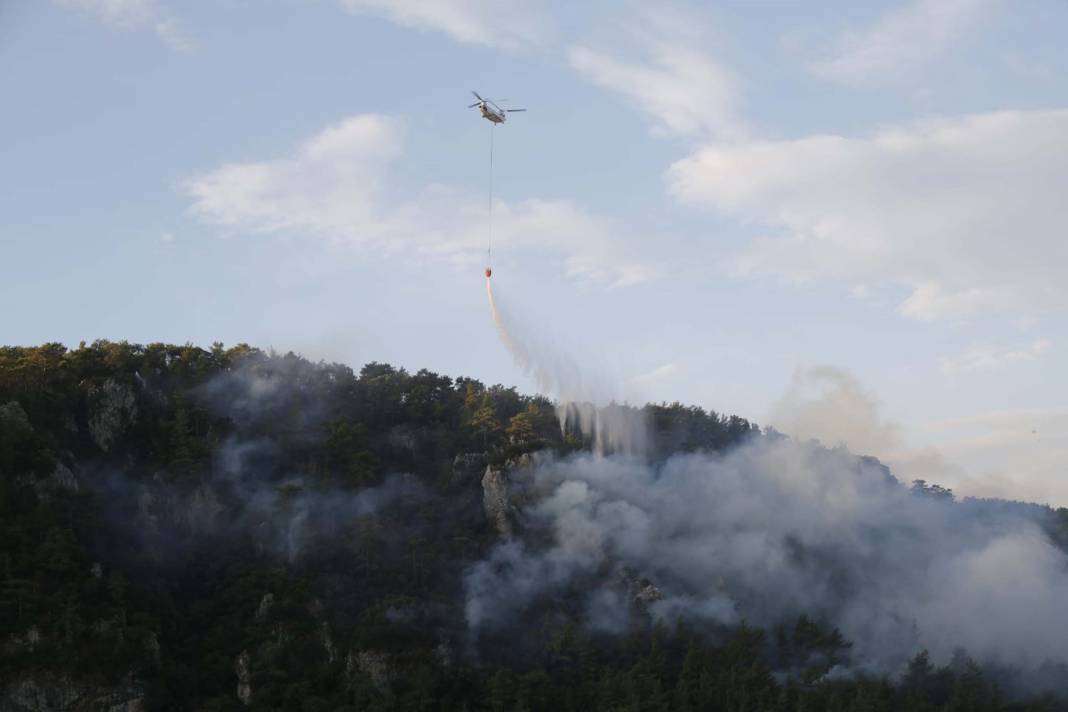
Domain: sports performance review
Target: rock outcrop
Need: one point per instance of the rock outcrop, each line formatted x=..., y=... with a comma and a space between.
x=375, y=664
x=496, y=493
x=264, y=609
x=63, y=478
x=642, y=591
x=25, y=643
x=466, y=467
x=243, y=669
x=327, y=641
x=14, y=418
x=112, y=409
x=495, y=501
x=48, y=691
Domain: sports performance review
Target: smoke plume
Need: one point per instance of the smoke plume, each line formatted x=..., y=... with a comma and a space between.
x=772, y=530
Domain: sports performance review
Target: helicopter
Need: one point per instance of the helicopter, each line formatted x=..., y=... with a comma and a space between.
x=490, y=111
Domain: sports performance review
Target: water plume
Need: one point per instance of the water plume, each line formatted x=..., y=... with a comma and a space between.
x=584, y=402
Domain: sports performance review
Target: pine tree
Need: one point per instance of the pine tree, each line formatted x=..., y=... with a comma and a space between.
x=484, y=421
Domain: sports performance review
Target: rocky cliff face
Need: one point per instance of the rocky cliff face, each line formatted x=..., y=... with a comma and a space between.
x=47, y=692
x=497, y=496
x=63, y=478
x=495, y=501
x=243, y=669
x=14, y=418
x=376, y=664
x=467, y=467
x=112, y=409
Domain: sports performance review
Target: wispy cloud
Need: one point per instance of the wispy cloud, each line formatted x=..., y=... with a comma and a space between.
x=966, y=213
x=135, y=15
x=900, y=42
x=659, y=61
x=986, y=358
x=504, y=24
x=658, y=374
x=334, y=188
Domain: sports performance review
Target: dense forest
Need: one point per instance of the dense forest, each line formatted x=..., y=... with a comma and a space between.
x=226, y=529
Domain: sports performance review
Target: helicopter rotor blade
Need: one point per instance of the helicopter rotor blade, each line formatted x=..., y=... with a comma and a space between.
x=476, y=95
x=474, y=105
x=515, y=110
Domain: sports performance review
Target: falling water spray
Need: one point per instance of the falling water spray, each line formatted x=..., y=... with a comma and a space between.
x=583, y=402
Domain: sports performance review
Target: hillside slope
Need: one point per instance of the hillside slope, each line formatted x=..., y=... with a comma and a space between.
x=188, y=528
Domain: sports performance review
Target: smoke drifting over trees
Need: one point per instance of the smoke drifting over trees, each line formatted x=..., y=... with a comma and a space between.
x=774, y=529
x=206, y=528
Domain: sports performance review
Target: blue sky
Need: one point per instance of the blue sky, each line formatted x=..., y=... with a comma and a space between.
x=842, y=218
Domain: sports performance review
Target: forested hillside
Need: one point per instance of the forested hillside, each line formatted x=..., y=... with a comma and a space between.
x=222, y=529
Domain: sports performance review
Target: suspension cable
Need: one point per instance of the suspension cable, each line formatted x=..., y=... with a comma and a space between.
x=489, y=244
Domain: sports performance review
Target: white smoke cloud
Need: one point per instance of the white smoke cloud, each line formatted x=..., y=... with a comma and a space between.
x=1014, y=454
x=831, y=406
x=777, y=528
x=774, y=529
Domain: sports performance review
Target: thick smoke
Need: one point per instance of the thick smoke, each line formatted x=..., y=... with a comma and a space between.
x=772, y=530
x=830, y=405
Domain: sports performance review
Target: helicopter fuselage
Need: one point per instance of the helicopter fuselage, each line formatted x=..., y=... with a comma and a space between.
x=491, y=114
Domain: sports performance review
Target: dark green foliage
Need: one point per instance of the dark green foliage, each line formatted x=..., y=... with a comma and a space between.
x=921, y=487
x=124, y=578
x=680, y=428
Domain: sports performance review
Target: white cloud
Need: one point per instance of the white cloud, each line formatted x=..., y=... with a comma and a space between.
x=170, y=31
x=966, y=213
x=901, y=41
x=505, y=24
x=135, y=15
x=985, y=358
x=120, y=13
x=329, y=187
x=335, y=187
x=670, y=76
x=658, y=374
